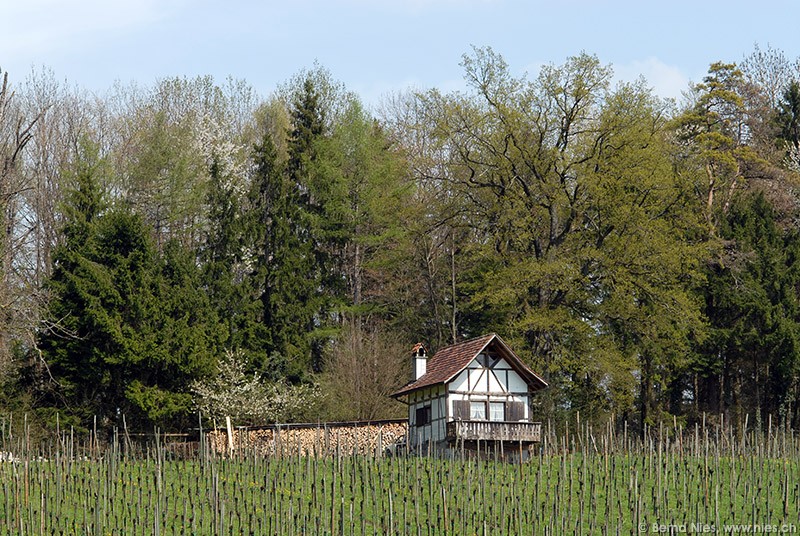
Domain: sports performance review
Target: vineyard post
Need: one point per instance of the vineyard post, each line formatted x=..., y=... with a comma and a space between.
x=230, y=435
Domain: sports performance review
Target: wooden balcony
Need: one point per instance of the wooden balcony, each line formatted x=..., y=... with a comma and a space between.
x=526, y=432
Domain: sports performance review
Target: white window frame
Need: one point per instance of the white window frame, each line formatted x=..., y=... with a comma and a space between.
x=497, y=411
x=477, y=410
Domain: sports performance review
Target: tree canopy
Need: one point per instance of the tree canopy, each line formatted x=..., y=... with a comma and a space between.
x=194, y=248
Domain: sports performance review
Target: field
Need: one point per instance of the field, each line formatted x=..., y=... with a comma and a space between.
x=577, y=483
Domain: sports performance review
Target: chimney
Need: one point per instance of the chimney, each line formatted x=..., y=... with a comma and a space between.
x=420, y=357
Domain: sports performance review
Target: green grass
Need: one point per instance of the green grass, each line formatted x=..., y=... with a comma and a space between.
x=576, y=485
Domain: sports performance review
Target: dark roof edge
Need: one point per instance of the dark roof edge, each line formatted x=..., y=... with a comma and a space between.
x=525, y=369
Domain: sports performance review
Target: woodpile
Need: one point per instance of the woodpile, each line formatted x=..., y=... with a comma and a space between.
x=373, y=438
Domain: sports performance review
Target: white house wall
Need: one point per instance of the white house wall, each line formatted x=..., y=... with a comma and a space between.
x=500, y=383
x=436, y=429
x=478, y=380
x=460, y=382
x=515, y=383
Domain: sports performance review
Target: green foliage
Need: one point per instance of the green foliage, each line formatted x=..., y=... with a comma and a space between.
x=713, y=132
x=752, y=304
x=787, y=120
x=316, y=222
x=611, y=238
x=284, y=271
x=788, y=114
x=580, y=225
x=226, y=258
x=360, y=177
x=165, y=178
x=130, y=328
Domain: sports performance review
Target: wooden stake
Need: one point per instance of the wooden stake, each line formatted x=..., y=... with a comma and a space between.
x=230, y=434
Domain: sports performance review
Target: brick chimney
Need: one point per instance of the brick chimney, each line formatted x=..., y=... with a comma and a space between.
x=420, y=357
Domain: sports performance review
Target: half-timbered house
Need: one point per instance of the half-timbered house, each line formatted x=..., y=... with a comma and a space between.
x=471, y=392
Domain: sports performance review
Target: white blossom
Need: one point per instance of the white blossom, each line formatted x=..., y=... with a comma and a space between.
x=248, y=399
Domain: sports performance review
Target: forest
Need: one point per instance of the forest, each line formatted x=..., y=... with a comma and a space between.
x=191, y=247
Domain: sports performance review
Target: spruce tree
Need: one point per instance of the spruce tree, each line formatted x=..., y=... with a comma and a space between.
x=751, y=360
x=76, y=330
x=129, y=329
x=225, y=258
x=283, y=272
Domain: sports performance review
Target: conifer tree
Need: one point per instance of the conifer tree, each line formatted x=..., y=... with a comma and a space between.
x=751, y=360
x=226, y=258
x=277, y=264
x=130, y=329
x=304, y=302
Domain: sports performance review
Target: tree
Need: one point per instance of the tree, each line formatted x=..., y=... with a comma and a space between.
x=311, y=300
x=360, y=175
x=362, y=370
x=788, y=114
x=645, y=253
x=578, y=222
x=182, y=338
x=428, y=262
x=18, y=303
x=787, y=120
x=167, y=140
x=715, y=137
x=283, y=273
x=79, y=330
x=227, y=258
x=751, y=362
x=766, y=75
x=249, y=399
x=723, y=158
x=166, y=179
x=130, y=330
x=292, y=259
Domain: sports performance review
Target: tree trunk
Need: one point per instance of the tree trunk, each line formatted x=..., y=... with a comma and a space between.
x=453, y=316
x=646, y=391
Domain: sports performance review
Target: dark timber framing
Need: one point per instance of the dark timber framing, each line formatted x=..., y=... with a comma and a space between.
x=474, y=391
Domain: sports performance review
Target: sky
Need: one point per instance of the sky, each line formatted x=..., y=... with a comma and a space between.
x=380, y=47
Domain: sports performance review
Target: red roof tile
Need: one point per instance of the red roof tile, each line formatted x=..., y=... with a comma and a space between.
x=448, y=362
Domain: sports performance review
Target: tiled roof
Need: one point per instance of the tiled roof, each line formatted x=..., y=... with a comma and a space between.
x=448, y=362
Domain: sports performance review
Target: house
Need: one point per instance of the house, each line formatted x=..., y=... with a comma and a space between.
x=472, y=392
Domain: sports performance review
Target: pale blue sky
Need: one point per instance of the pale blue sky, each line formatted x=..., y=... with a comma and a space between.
x=380, y=46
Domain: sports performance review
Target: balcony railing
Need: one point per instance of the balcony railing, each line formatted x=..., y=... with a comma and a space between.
x=528, y=432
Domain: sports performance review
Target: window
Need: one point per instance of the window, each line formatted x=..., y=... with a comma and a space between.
x=497, y=411
x=488, y=359
x=482, y=410
x=477, y=411
x=423, y=416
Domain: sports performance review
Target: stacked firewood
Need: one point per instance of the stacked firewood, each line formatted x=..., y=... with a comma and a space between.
x=340, y=439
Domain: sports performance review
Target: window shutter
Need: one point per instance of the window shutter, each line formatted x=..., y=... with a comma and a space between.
x=515, y=411
x=461, y=410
